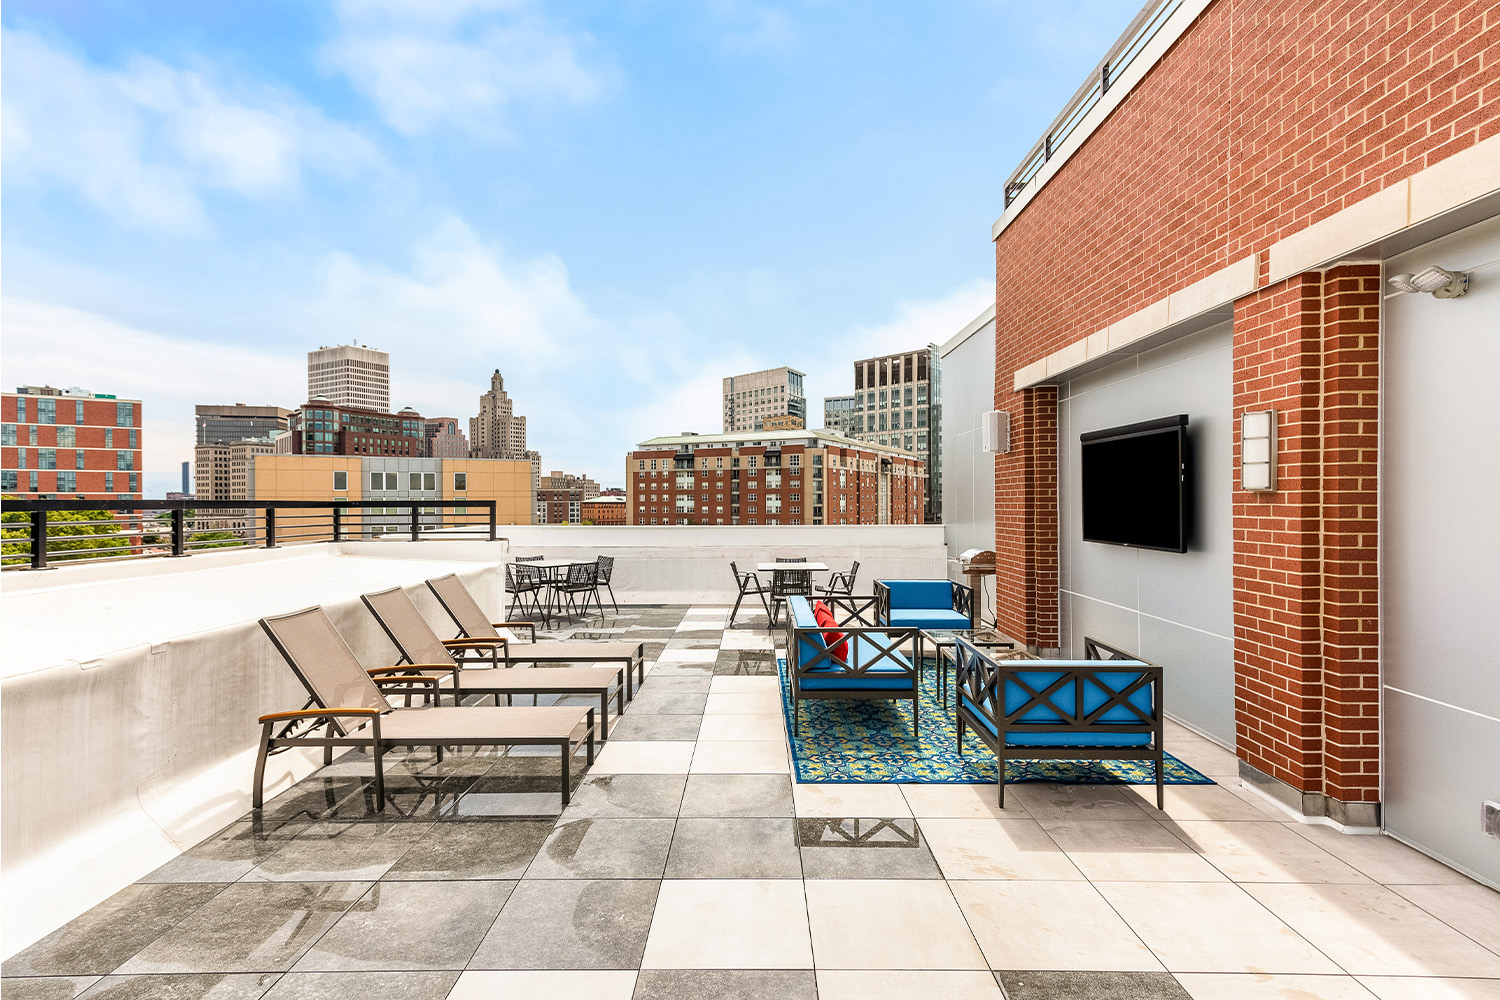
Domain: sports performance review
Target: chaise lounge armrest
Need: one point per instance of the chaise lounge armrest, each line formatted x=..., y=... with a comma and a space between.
x=528, y=626
x=312, y=713
x=476, y=643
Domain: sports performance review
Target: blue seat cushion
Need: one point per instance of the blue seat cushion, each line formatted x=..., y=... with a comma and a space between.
x=1016, y=738
x=891, y=673
x=920, y=593
x=927, y=618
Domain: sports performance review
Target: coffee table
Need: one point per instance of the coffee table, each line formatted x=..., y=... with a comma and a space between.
x=996, y=644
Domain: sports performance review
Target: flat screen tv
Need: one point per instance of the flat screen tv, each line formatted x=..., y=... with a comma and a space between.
x=1135, y=485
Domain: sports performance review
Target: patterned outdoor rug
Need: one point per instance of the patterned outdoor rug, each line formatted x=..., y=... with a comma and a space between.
x=872, y=741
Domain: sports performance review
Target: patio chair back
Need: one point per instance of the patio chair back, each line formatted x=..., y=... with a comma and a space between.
x=414, y=638
x=787, y=583
x=463, y=609
x=581, y=576
x=528, y=577
x=530, y=558
x=322, y=660
x=510, y=579
x=606, y=565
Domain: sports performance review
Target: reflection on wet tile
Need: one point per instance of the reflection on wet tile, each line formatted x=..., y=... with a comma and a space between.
x=339, y=851
x=726, y=984
x=850, y=848
x=499, y=849
x=1091, y=986
x=99, y=940
x=250, y=927
x=604, y=848
x=734, y=848
x=571, y=924
x=409, y=926
x=661, y=701
x=311, y=798
x=738, y=795
x=627, y=795
x=190, y=986
x=229, y=854
x=47, y=987
x=408, y=797
x=364, y=985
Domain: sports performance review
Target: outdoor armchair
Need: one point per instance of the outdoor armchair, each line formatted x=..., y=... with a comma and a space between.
x=924, y=603
x=841, y=584
x=748, y=583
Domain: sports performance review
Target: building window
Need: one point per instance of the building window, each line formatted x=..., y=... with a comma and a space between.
x=78, y=458
x=9, y=480
x=67, y=437
x=341, y=481
x=8, y=434
x=78, y=413
x=134, y=483
x=124, y=415
x=21, y=410
x=134, y=441
x=46, y=411
x=460, y=481
x=109, y=481
x=31, y=436
x=109, y=437
x=376, y=479
x=46, y=458
x=391, y=481
x=415, y=480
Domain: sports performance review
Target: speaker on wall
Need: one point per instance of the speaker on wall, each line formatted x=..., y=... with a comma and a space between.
x=995, y=432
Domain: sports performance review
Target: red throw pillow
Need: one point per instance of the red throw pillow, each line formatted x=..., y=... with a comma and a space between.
x=835, y=640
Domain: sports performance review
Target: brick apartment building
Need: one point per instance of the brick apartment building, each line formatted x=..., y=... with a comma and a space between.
x=791, y=477
x=67, y=443
x=1226, y=224
x=605, y=510
x=560, y=497
x=324, y=428
x=446, y=438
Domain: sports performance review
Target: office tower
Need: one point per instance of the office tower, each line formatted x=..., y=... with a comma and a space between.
x=838, y=415
x=230, y=422
x=898, y=401
x=324, y=428
x=67, y=443
x=349, y=375
x=497, y=432
x=750, y=399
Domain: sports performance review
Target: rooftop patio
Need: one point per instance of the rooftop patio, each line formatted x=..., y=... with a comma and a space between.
x=690, y=863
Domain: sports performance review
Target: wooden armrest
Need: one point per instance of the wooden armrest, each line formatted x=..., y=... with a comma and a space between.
x=528, y=626
x=408, y=680
x=309, y=713
x=475, y=643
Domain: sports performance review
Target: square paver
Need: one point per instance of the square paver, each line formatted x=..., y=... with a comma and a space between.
x=570, y=924
x=643, y=757
x=482, y=849
x=1091, y=986
x=627, y=796
x=534, y=984
x=1050, y=925
x=604, y=848
x=864, y=848
x=889, y=924
x=726, y=984
x=734, y=848
x=187, y=986
x=764, y=795
x=998, y=848
x=339, y=852
x=751, y=923
x=409, y=926
x=899, y=984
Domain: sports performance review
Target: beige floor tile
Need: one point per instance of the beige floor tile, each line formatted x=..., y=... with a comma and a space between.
x=1047, y=803
x=891, y=984
x=743, y=727
x=688, y=656
x=888, y=924
x=1131, y=852
x=741, y=757
x=1212, y=927
x=1384, y=859
x=1471, y=909
x=729, y=924
x=753, y=684
x=1247, y=793
x=996, y=848
x=959, y=802
x=1244, y=986
x=644, y=757
x=1263, y=852
x=1190, y=802
x=1050, y=925
x=545, y=985
x=734, y=703
x=1209, y=758
x=1423, y=988
x=1371, y=931
x=845, y=799
x=738, y=639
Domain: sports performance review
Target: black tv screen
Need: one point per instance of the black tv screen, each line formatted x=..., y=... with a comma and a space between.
x=1135, y=484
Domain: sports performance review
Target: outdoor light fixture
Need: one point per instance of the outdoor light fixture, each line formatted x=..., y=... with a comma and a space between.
x=1258, y=450
x=1442, y=283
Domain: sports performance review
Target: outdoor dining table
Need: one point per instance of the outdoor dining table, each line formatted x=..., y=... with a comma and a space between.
x=555, y=571
x=782, y=567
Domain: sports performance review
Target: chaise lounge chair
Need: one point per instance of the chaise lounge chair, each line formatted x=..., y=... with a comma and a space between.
x=344, y=697
x=422, y=652
x=479, y=637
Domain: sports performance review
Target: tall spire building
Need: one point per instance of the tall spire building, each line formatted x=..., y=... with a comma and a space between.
x=498, y=432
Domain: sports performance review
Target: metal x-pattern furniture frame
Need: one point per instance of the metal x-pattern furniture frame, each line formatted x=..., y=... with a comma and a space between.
x=856, y=623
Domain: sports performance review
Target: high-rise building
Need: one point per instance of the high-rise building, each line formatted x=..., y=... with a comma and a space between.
x=560, y=497
x=323, y=428
x=838, y=415
x=223, y=468
x=750, y=399
x=791, y=477
x=498, y=432
x=350, y=375
x=446, y=439
x=66, y=443
x=237, y=422
x=898, y=401
x=187, y=479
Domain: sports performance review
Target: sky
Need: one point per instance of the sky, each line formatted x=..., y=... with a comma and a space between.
x=615, y=203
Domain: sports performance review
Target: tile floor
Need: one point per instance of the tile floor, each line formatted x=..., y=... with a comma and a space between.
x=689, y=864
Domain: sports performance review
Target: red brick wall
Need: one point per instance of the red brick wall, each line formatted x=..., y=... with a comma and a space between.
x=1262, y=119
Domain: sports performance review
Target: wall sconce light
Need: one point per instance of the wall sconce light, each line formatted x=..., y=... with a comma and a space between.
x=1442, y=283
x=1258, y=450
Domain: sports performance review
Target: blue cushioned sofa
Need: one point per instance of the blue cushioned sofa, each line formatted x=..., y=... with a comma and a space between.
x=876, y=666
x=1107, y=706
x=923, y=603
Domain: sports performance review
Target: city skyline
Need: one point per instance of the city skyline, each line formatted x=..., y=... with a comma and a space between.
x=196, y=198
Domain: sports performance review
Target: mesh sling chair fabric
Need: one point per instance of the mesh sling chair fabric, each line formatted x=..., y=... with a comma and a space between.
x=423, y=652
x=581, y=581
x=473, y=623
x=606, y=569
x=530, y=582
x=345, y=699
x=789, y=583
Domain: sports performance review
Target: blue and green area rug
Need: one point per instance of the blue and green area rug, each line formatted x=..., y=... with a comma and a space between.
x=872, y=741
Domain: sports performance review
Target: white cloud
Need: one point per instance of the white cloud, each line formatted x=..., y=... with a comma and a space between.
x=759, y=28
x=459, y=63
x=143, y=142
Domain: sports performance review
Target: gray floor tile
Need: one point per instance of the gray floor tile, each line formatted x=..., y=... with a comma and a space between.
x=230, y=854
x=409, y=926
x=339, y=852
x=678, y=670
x=734, y=848
x=604, y=848
x=722, y=984
x=574, y=924
x=1090, y=986
x=864, y=849
x=657, y=727
x=659, y=702
x=250, y=927
x=490, y=849
x=637, y=796
x=364, y=985
x=408, y=798
x=310, y=799
x=98, y=941
x=46, y=987
x=191, y=986
x=659, y=683
x=759, y=795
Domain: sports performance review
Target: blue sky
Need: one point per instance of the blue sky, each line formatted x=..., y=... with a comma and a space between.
x=614, y=203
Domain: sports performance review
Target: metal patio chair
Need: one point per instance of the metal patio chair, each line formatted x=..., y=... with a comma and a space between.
x=789, y=583
x=582, y=581
x=748, y=583
x=841, y=584
x=606, y=569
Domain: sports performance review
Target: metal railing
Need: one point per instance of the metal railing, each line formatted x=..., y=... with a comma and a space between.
x=1141, y=30
x=137, y=529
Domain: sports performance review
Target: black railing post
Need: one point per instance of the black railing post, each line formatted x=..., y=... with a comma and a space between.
x=39, y=539
x=416, y=524
x=493, y=506
x=270, y=527
x=338, y=524
x=179, y=535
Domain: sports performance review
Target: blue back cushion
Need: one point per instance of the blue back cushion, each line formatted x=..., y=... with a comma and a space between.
x=810, y=644
x=1065, y=696
x=920, y=593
